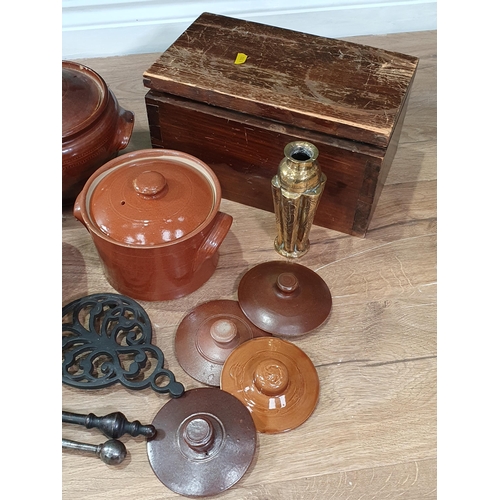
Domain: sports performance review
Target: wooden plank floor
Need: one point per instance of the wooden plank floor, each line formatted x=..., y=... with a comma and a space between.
x=373, y=433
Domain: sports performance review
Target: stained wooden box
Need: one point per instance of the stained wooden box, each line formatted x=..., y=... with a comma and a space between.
x=349, y=100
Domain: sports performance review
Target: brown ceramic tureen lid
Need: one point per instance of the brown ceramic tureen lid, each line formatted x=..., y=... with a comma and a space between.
x=275, y=380
x=208, y=334
x=205, y=441
x=84, y=96
x=284, y=298
x=152, y=197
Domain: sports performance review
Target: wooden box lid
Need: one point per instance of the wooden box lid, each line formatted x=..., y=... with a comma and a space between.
x=343, y=89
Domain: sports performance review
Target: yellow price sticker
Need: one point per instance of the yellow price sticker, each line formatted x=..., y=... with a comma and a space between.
x=240, y=58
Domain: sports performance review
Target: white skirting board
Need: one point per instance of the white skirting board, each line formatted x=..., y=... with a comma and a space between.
x=123, y=27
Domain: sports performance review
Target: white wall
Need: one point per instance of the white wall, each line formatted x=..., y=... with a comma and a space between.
x=101, y=28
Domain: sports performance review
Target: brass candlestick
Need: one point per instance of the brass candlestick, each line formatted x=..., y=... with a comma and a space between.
x=297, y=189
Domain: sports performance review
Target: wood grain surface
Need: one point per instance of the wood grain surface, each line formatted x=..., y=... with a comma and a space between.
x=373, y=432
x=346, y=90
x=243, y=152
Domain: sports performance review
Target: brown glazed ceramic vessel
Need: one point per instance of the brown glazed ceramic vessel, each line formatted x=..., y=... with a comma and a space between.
x=205, y=442
x=275, y=380
x=94, y=126
x=208, y=334
x=155, y=221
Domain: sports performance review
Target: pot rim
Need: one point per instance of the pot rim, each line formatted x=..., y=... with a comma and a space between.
x=99, y=81
x=82, y=204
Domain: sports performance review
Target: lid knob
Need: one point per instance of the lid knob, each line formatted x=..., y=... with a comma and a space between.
x=271, y=377
x=223, y=331
x=150, y=183
x=287, y=282
x=199, y=434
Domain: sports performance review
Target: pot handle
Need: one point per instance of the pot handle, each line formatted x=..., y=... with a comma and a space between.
x=124, y=129
x=77, y=208
x=213, y=240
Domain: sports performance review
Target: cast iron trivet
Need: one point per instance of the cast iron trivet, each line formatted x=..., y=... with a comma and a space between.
x=205, y=441
x=106, y=338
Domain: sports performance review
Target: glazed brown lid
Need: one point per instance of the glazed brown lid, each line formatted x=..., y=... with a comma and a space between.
x=205, y=441
x=152, y=197
x=275, y=380
x=84, y=97
x=284, y=298
x=208, y=334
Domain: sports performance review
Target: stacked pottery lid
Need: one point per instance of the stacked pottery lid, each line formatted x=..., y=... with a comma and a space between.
x=84, y=94
x=205, y=441
x=275, y=380
x=208, y=334
x=231, y=344
x=284, y=298
x=128, y=202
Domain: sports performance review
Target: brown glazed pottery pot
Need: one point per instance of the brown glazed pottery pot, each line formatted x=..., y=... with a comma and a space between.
x=94, y=126
x=155, y=221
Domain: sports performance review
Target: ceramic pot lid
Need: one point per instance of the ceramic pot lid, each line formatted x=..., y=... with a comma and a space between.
x=84, y=94
x=205, y=441
x=275, y=380
x=284, y=298
x=152, y=197
x=208, y=334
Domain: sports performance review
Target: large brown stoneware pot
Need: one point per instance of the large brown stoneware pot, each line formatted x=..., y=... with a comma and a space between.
x=94, y=126
x=155, y=221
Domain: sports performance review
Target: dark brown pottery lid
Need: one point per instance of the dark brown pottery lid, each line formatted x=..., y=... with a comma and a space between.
x=284, y=298
x=84, y=97
x=275, y=380
x=208, y=334
x=152, y=197
x=205, y=441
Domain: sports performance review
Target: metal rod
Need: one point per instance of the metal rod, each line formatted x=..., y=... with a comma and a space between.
x=113, y=425
x=112, y=452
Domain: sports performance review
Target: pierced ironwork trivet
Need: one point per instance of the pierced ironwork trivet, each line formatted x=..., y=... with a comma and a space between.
x=106, y=338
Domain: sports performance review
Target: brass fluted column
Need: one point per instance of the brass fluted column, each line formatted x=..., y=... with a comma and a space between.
x=297, y=189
